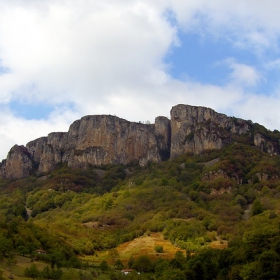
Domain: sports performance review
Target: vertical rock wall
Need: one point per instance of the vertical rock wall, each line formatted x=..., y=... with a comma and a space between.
x=196, y=129
x=18, y=164
x=106, y=139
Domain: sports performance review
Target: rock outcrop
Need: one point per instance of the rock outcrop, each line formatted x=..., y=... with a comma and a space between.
x=265, y=145
x=18, y=164
x=196, y=129
x=106, y=139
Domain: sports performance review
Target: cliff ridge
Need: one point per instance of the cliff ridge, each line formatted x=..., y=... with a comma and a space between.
x=104, y=139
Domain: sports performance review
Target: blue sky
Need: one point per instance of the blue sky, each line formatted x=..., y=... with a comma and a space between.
x=61, y=60
x=203, y=58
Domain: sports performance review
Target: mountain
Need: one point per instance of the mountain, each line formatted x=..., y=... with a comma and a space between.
x=195, y=184
x=104, y=139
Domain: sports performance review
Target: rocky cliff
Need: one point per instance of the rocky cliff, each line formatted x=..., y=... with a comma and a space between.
x=195, y=129
x=106, y=139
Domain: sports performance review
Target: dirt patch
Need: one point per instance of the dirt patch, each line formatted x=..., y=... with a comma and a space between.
x=28, y=212
x=219, y=244
x=247, y=212
x=92, y=225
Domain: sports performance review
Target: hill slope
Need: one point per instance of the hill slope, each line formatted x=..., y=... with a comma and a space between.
x=227, y=196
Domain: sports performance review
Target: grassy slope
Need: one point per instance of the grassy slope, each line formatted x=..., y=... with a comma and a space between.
x=171, y=198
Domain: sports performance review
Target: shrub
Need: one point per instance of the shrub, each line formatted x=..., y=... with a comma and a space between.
x=257, y=207
x=104, y=266
x=159, y=249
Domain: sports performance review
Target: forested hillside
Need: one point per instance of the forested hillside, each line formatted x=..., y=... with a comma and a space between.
x=220, y=211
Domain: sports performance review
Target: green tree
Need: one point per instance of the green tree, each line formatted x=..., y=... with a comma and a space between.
x=104, y=266
x=46, y=272
x=113, y=255
x=234, y=273
x=249, y=271
x=11, y=261
x=143, y=264
x=118, y=264
x=89, y=248
x=195, y=270
x=164, y=182
x=178, y=261
x=5, y=246
x=130, y=262
x=32, y=271
x=241, y=200
x=23, y=250
x=160, y=266
x=73, y=262
x=257, y=207
x=268, y=265
x=56, y=274
x=56, y=258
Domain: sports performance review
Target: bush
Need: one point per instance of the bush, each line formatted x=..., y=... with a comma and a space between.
x=32, y=271
x=104, y=266
x=257, y=207
x=143, y=264
x=159, y=249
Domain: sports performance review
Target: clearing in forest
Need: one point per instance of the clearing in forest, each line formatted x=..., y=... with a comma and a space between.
x=145, y=245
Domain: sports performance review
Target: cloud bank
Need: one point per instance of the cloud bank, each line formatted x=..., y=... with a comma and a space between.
x=109, y=57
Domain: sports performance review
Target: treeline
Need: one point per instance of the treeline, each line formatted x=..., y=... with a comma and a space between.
x=27, y=239
x=255, y=258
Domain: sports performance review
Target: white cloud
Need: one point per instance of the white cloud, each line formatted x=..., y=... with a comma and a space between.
x=75, y=49
x=274, y=64
x=261, y=109
x=241, y=74
x=248, y=24
x=19, y=131
x=107, y=57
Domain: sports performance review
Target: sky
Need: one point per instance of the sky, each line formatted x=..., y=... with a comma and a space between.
x=61, y=60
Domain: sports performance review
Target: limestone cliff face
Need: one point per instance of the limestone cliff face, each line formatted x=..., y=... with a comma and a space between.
x=106, y=139
x=52, y=152
x=100, y=140
x=36, y=148
x=195, y=129
x=103, y=139
x=266, y=145
x=46, y=152
x=18, y=164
